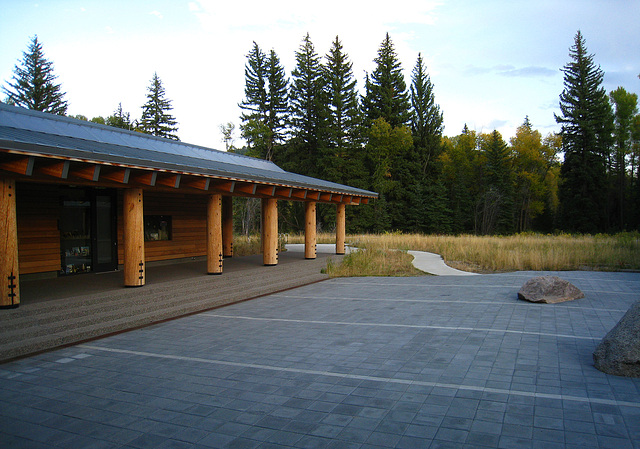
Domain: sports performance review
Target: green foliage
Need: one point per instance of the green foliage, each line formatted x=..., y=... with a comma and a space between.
x=120, y=119
x=587, y=126
x=342, y=158
x=426, y=120
x=265, y=105
x=308, y=113
x=34, y=85
x=386, y=91
x=620, y=199
x=156, y=118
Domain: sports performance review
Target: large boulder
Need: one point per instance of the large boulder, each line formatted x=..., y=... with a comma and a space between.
x=549, y=290
x=619, y=351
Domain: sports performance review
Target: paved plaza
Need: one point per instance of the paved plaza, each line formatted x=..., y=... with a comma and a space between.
x=421, y=362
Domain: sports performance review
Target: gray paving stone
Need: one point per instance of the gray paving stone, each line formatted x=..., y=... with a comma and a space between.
x=362, y=362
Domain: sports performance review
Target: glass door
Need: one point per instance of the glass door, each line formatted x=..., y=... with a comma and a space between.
x=75, y=232
x=104, y=236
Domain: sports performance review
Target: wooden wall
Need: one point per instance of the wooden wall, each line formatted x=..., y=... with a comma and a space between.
x=189, y=225
x=38, y=211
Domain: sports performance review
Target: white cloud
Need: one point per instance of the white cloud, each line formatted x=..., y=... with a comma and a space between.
x=156, y=13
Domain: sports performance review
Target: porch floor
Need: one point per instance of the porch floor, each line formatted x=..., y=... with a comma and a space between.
x=66, y=310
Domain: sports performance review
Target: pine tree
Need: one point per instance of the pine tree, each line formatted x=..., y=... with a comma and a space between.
x=308, y=111
x=156, y=119
x=386, y=91
x=34, y=84
x=495, y=208
x=265, y=104
x=426, y=118
x=342, y=160
x=255, y=88
x=587, y=126
x=120, y=119
x=277, y=104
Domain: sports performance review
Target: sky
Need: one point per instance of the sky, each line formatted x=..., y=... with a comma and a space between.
x=491, y=62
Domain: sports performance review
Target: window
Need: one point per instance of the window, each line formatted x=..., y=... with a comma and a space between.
x=157, y=227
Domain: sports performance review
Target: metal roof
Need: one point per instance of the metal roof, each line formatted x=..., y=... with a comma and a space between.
x=51, y=135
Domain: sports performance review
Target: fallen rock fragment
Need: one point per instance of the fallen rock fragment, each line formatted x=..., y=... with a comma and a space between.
x=549, y=290
x=619, y=351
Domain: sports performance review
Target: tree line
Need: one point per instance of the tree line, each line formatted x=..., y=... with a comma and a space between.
x=388, y=137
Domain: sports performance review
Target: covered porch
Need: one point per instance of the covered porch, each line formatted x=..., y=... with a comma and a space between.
x=77, y=197
x=65, y=310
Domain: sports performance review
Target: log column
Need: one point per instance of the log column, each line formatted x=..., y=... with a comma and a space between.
x=9, y=276
x=134, y=263
x=227, y=226
x=214, y=234
x=340, y=228
x=310, y=230
x=270, y=231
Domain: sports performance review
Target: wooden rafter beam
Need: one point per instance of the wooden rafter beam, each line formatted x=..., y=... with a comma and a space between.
x=284, y=192
x=266, y=190
x=246, y=188
x=169, y=180
x=299, y=194
x=89, y=172
x=218, y=185
x=196, y=183
x=56, y=169
x=116, y=174
x=21, y=166
x=145, y=178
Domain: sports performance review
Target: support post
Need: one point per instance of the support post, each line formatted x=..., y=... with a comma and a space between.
x=227, y=226
x=340, y=228
x=270, y=231
x=9, y=276
x=310, y=230
x=134, y=263
x=214, y=234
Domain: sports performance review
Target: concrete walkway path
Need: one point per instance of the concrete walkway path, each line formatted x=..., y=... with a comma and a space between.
x=428, y=262
x=434, y=264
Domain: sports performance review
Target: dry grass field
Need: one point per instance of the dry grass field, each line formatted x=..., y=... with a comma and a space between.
x=485, y=254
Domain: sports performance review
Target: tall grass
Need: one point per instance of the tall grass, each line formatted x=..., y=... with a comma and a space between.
x=483, y=254
x=519, y=252
x=374, y=262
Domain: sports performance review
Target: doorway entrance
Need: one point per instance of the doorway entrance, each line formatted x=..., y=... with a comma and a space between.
x=88, y=239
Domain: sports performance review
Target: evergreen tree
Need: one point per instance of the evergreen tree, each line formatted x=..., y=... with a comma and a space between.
x=460, y=175
x=308, y=112
x=495, y=208
x=265, y=104
x=156, y=118
x=587, y=126
x=426, y=118
x=277, y=104
x=120, y=119
x=386, y=91
x=343, y=158
x=34, y=84
x=255, y=86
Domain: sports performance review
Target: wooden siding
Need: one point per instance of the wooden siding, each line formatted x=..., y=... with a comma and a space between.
x=38, y=209
x=38, y=213
x=189, y=226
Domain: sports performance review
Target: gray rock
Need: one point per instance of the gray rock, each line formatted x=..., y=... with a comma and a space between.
x=549, y=290
x=619, y=351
